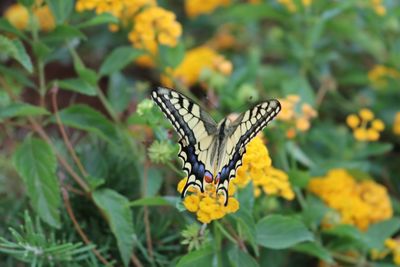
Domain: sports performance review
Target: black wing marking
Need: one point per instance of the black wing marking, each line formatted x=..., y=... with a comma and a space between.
x=192, y=124
x=240, y=132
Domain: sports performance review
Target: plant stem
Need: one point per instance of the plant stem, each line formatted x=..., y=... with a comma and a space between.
x=64, y=134
x=79, y=229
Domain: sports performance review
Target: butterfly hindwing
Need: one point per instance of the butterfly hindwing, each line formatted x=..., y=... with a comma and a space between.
x=239, y=134
x=192, y=124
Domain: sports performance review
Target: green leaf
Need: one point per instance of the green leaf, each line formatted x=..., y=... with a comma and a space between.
x=15, y=50
x=26, y=3
x=299, y=85
x=299, y=178
x=120, y=91
x=314, y=249
x=16, y=75
x=63, y=33
x=85, y=118
x=198, y=258
x=36, y=163
x=250, y=12
x=172, y=56
x=280, y=232
x=118, y=59
x=104, y=18
x=77, y=85
x=373, y=149
x=247, y=225
x=238, y=258
x=155, y=201
x=21, y=110
x=379, y=232
x=348, y=231
x=296, y=152
x=61, y=10
x=6, y=26
x=119, y=216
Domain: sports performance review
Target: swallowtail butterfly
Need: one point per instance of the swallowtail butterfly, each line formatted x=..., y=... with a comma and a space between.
x=210, y=151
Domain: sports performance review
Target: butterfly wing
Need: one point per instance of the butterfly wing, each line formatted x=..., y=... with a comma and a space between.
x=238, y=135
x=196, y=130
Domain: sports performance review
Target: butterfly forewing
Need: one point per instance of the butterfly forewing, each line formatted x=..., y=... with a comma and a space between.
x=239, y=134
x=193, y=125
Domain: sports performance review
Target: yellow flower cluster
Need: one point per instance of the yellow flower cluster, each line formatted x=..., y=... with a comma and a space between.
x=194, y=8
x=257, y=167
x=358, y=203
x=394, y=247
x=291, y=5
x=153, y=26
x=195, y=61
x=124, y=10
x=208, y=206
x=365, y=127
x=296, y=115
x=380, y=74
x=378, y=7
x=18, y=16
x=396, y=124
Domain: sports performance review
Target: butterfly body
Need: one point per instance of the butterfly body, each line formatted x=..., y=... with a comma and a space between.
x=211, y=152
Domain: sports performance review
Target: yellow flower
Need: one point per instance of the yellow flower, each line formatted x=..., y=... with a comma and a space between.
x=257, y=167
x=195, y=61
x=208, y=205
x=378, y=7
x=396, y=124
x=353, y=121
x=393, y=245
x=358, y=203
x=194, y=8
x=18, y=16
x=295, y=119
x=380, y=75
x=289, y=4
x=366, y=114
x=191, y=203
x=365, y=127
x=153, y=26
x=306, y=3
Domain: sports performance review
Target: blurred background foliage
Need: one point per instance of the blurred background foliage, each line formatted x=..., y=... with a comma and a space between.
x=89, y=173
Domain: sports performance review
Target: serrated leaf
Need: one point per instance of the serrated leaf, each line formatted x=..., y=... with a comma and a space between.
x=6, y=26
x=280, y=232
x=199, y=258
x=85, y=118
x=103, y=18
x=61, y=10
x=314, y=249
x=379, y=232
x=15, y=50
x=21, y=110
x=36, y=163
x=238, y=258
x=118, y=59
x=17, y=75
x=77, y=85
x=119, y=216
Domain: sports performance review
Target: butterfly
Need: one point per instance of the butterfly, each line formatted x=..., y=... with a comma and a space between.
x=210, y=151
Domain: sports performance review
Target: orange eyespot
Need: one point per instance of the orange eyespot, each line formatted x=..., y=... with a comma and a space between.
x=216, y=181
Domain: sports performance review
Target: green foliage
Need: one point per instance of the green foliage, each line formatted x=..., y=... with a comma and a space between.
x=36, y=163
x=32, y=245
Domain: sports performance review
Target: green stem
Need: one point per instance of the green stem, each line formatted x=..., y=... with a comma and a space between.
x=107, y=105
x=224, y=232
x=39, y=63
